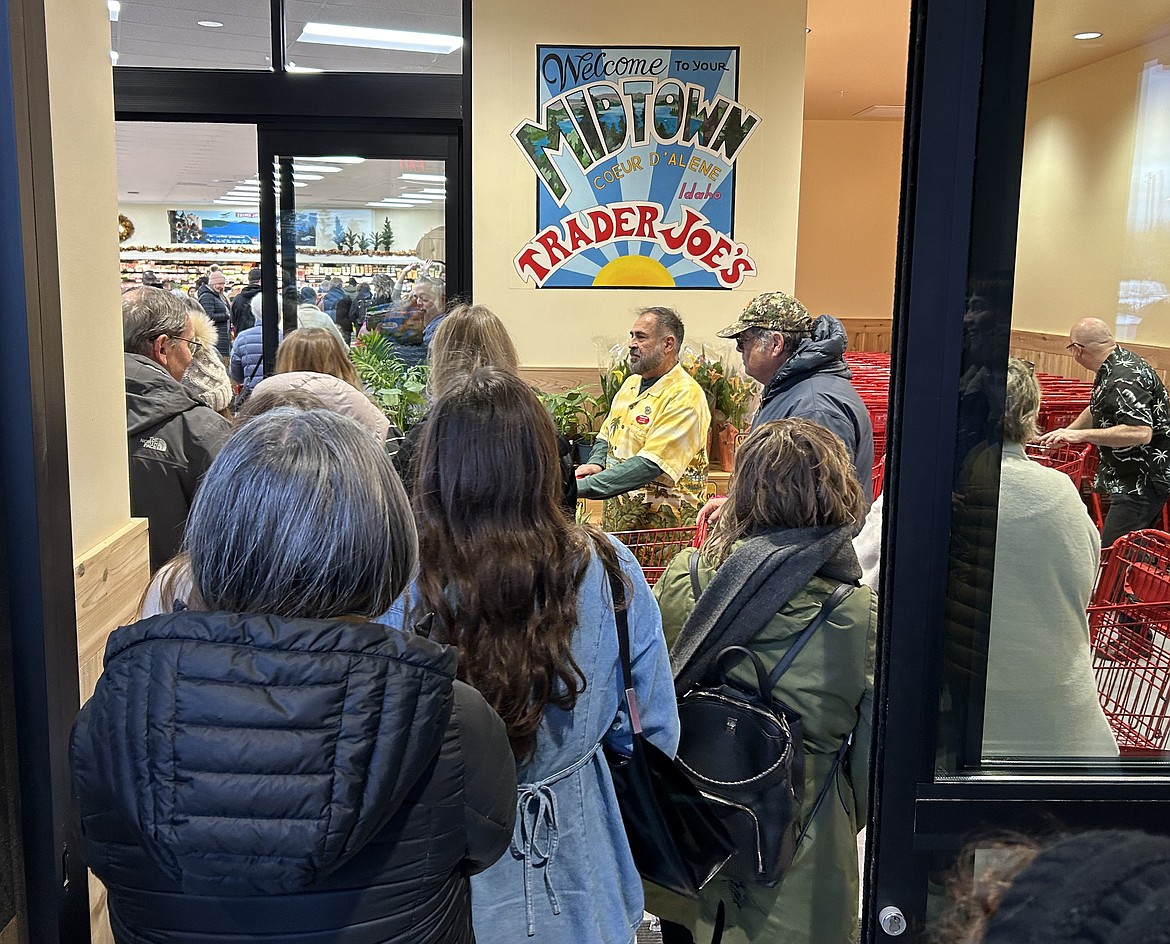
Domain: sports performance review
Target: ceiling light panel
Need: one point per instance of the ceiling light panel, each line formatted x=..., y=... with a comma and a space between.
x=316, y=168
x=425, y=178
x=367, y=37
x=440, y=20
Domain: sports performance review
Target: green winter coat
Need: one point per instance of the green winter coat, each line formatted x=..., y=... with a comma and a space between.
x=831, y=685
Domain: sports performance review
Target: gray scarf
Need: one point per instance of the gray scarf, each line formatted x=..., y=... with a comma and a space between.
x=751, y=586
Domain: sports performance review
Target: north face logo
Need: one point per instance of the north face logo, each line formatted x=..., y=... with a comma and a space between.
x=154, y=443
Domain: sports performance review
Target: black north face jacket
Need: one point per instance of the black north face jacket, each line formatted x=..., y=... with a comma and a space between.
x=254, y=778
x=172, y=440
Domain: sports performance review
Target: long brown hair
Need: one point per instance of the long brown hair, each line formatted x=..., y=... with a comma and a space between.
x=501, y=564
x=470, y=337
x=789, y=473
x=315, y=349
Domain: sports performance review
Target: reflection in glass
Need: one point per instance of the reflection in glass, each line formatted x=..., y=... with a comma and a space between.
x=1021, y=678
x=176, y=34
x=373, y=36
x=1041, y=696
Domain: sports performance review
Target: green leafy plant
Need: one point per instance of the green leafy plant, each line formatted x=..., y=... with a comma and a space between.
x=386, y=237
x=400, y=391
x=574, y=411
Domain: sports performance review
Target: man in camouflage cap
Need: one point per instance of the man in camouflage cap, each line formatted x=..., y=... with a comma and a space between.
x=800, y=361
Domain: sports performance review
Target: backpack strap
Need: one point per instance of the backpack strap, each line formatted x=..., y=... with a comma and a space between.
x=830, y=604
x=693, y=567
x=618, y=590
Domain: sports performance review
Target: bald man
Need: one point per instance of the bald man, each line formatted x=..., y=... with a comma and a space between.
x=1128, y=420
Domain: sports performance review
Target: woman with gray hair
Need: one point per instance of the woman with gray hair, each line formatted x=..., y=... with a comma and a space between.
x=266, y=763
x=1041, y=698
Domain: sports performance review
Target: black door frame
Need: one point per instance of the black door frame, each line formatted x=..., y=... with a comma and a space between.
x=962, y=161
x=37, y=610
x=276, y=141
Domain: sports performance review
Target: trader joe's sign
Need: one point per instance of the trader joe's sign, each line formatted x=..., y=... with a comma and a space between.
x=634, y=151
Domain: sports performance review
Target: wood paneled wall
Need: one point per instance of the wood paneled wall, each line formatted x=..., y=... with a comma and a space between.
x=108, y=583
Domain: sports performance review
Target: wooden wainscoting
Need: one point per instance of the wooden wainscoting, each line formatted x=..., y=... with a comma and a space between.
x=869, y=334
x=1047, y=352
x=560, y=379
x=108, y=583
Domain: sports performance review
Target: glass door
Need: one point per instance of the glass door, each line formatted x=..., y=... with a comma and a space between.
x=1017, y=690
x=359, y=233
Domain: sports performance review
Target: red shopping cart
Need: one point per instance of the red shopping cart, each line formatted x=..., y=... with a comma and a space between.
x=1129, y=628
x=655, y=548
x=1063, y=457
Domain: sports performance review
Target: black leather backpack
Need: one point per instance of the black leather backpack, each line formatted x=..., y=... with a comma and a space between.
x=744, y=750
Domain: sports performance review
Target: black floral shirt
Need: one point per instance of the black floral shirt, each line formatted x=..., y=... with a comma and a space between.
x=1127, y=392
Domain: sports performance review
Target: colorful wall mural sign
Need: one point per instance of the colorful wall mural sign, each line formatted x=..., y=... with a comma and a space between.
x=634, y=151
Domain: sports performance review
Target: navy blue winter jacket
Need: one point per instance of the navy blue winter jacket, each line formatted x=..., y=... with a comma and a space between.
x=814, y=384
x=254, y=778
x=217, y=310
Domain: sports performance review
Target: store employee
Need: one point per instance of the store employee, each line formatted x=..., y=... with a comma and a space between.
x=650, y=459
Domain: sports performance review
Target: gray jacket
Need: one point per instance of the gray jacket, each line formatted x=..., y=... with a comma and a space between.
x=814, y=384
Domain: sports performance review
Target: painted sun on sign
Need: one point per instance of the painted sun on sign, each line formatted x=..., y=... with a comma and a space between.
x=634, y=151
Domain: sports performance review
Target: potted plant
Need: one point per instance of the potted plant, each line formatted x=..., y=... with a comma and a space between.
x=574, y=413
x=399, y=391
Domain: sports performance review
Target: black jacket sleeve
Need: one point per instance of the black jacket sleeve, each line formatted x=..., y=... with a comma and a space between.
x=489, y=778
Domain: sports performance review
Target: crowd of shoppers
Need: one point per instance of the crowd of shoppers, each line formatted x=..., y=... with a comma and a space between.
x=376, y=712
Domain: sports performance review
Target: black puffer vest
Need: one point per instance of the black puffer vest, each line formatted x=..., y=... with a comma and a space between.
x=250, y=778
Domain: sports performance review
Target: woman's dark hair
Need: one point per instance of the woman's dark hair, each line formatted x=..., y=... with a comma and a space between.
x=301, y=515
x=503, y=563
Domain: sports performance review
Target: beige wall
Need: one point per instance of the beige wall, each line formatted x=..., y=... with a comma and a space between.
x=82, y=115
x=850, y=176
x=1074, y=244
x=559, y=326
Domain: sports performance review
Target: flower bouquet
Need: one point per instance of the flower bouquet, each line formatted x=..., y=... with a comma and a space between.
x=730, y=394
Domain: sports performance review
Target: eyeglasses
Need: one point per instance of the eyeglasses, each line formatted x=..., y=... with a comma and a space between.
x=1031, y=367
x=192, y=345
x=1072, y=346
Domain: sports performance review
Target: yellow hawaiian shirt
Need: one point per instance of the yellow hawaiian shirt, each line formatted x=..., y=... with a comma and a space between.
x=668, y=424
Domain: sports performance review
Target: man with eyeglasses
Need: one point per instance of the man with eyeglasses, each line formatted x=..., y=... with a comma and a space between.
x=172, y=436
x=1128, y=420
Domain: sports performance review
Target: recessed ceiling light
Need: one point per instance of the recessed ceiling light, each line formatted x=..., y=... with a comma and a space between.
x=210, y=24
x=424, y=178
x=414, y=198
x=115, y=9
x=441, y=193
x=316, y=169
x=1089, y=35
x=334, y=34
x=342, y=160
x=394, y=201
x=307, y=177
x=301, y=70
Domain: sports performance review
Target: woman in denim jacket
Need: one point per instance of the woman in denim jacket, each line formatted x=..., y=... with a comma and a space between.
x=524, y=593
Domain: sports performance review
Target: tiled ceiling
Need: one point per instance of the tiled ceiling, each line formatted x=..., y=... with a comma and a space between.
x=855, y=59
x=192, y=164
x=165, y=34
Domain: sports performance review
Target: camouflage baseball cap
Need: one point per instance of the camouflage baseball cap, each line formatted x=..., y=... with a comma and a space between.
x=776, y=311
